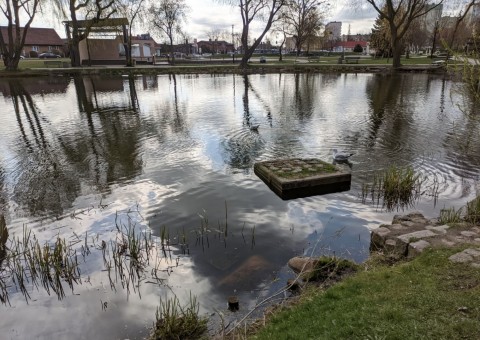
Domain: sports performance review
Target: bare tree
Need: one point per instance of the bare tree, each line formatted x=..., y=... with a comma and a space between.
x=303, y=19
x=458, y=20
x=166, y=18
x=250, y=10
x=400, y=14
x=129, y=9
x=11, y=47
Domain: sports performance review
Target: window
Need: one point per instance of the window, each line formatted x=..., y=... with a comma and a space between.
x=35, y=48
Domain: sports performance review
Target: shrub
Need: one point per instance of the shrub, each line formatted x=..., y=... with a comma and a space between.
x=33, y=54
x=358, y=48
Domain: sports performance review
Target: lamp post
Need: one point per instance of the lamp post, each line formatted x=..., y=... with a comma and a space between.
x=331, y=40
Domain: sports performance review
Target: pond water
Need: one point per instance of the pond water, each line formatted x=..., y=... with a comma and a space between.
x=174, y=155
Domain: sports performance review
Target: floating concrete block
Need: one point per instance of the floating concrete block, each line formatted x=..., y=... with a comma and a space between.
x=297, y=180
x=415, y=248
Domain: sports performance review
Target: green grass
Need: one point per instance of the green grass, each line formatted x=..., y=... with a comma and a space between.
x=326, y=169
x=33, y=63
x=26, y=64
x=421, y=299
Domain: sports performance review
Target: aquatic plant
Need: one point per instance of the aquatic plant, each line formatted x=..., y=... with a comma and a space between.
x=472, y=211
x=173, y=321
x=394, y=188
x=27, y=264
x=450, y=215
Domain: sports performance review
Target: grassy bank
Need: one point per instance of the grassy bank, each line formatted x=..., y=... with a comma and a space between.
x=37, y=67
x=427, y=298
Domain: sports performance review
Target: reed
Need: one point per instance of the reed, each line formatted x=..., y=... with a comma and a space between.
x=472, y=213
x=394, y=188
x=450, y=215
x=173, y=321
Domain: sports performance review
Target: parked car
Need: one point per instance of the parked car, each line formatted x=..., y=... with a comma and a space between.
x=48, y=55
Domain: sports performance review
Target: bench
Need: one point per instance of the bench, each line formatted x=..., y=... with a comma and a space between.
x=53, y=63
x=351, y=60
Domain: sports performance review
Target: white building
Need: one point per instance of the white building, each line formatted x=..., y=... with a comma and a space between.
x=333, y=30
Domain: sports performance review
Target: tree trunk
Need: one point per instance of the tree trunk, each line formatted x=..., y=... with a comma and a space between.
x=397, y=52
x=396, y=47
x=172, y=53
x=11, y=64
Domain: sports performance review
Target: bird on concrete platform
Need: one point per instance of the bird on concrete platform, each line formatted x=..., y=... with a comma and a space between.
x=254, y=128
x=340, y=156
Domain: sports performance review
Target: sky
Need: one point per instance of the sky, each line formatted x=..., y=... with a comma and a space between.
x=206, y=15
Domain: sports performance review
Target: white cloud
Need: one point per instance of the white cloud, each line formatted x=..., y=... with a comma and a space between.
x=206, y=15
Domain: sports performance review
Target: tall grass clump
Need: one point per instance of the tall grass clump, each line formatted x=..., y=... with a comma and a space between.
x=394, y=188
x=172, y=321
x=450, y=215
x=472, y=213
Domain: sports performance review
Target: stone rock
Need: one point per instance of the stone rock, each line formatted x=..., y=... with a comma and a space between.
x=407, y=238
x=377, y=239
x=461, y=258
x=404, y=240
x=475, y=265
x=473, y=252
x=253, y=265
x=390, y=245
x=397, y=227
x=442, y=229
x=415, y=248
x=469, y=233
x=399, y=219
x=303, y=264
x=448, y=243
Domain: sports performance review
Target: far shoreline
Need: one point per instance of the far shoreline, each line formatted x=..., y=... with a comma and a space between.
x=275, y=68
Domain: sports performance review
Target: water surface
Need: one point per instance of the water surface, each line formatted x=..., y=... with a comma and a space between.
x=79, y=154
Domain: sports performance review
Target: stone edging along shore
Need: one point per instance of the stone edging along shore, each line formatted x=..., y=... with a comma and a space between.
x=220, y=69
x=409, y=235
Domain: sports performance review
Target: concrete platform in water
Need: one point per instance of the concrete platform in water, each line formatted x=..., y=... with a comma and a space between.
x=294, y=178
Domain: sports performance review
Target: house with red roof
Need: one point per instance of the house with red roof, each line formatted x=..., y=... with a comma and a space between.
x=348, y=46
x=38, y=39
